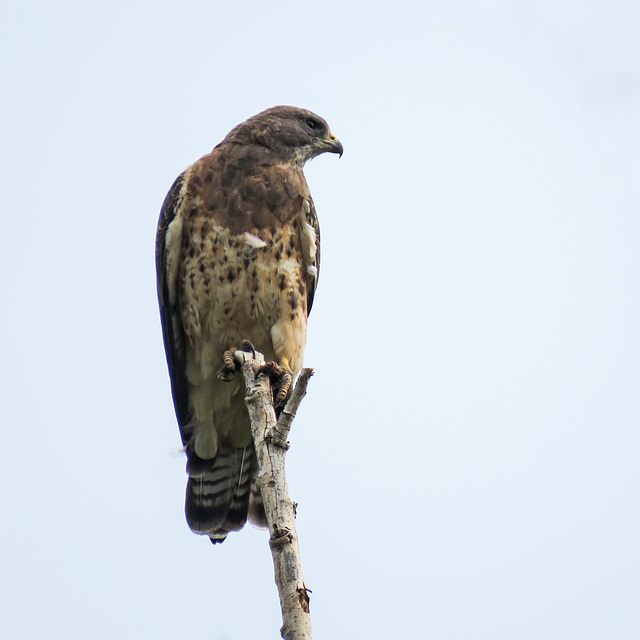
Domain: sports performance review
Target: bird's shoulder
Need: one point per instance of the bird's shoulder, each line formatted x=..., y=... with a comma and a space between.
x=245, y=186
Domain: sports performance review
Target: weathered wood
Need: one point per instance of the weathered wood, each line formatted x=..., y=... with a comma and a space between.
x=270, y=439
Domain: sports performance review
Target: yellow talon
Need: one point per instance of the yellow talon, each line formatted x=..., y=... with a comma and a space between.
x=229, y=367
x=285, y=388
x=281, y=378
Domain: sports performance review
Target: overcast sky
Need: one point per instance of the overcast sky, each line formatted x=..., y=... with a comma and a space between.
x=467, y=460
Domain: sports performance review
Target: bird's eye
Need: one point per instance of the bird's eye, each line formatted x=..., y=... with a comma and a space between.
x=312, y=124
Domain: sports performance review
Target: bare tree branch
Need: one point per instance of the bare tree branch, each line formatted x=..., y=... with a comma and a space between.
x=270, y=439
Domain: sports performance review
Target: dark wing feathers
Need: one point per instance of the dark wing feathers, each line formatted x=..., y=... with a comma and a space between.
x=169, y=313
x=312, y=280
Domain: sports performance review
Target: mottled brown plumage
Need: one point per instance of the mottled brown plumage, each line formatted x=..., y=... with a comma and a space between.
x=238, y=253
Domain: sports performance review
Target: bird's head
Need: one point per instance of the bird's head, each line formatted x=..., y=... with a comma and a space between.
x=292, y=133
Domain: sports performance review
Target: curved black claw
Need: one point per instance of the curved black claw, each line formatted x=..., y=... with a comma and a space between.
x=247, y=347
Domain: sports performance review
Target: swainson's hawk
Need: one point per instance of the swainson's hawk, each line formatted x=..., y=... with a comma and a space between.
x=237, y=255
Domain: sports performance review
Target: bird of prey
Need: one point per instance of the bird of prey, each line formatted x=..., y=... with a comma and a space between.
x=237, y=258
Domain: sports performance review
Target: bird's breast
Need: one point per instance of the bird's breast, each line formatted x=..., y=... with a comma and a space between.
x=238, y=286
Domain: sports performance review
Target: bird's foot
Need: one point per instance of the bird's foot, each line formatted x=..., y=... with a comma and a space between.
x=229, y=366
x=229, y=363
x=281, y=378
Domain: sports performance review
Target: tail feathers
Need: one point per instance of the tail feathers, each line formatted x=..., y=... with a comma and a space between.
x=197, y=466
x=257, y=516
x=219, y=491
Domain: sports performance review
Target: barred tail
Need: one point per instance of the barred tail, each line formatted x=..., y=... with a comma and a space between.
x=219, y=492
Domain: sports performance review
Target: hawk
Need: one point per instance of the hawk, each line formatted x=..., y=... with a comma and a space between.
x=237, y=258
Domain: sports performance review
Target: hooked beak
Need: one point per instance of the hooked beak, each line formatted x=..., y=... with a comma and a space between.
x=334, y=145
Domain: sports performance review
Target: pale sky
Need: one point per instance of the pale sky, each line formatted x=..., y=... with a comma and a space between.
x=466, y=462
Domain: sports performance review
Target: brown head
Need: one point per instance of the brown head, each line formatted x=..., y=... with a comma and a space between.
x=294, y=134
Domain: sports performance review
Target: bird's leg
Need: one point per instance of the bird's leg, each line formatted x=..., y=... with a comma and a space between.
x=281, y=377
x=229, y=365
